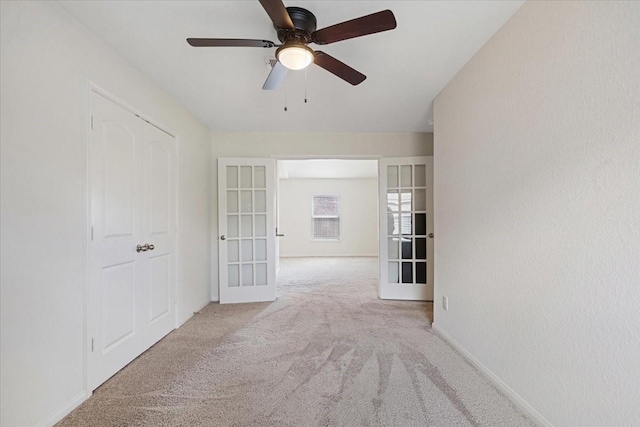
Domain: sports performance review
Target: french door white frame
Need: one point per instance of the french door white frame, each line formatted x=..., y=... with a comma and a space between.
x=92, y=88
x=397, y=288
x=247, y=237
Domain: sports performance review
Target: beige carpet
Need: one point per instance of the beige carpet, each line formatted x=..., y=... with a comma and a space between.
x=327, y=352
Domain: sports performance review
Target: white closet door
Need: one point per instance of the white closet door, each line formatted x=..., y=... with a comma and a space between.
x=132, y=204
x=406, y=228
x=159, y=230
x=247, y=234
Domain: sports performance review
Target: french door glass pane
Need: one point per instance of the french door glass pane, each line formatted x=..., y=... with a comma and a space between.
x=261, y=249
x=247, y=250
x=421, y=272
x=261, y=274
x=394, y=275
x=232, y=225
x=261, y=225
x=260, y=178
x=261, y=201
x=246, y=226
x=232, y=201
x=245, y=177
x=420, y=200
x=233, y=275
x=420, y=176
x=421, y=248
x=247, y=275
x=392, y=246
x=406, y=248
x=407, y=272
x=405, y=175
x=232, y=177
x=232, y=251
x=405, y=201
x=245, y=201
x=392, y=176
x=421, y=224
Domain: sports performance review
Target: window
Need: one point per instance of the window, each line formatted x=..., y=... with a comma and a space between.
x=325, y=213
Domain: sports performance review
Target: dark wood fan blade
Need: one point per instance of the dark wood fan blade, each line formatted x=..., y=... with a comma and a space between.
x=278, y=13
x=338, y=68
x=370, y=24
x=276, y=77
x=229, y=43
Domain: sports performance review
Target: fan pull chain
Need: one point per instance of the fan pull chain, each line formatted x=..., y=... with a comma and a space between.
x=305, y=85
x=286, y=79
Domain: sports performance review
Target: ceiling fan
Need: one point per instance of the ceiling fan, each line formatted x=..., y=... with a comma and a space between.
x=296, y=28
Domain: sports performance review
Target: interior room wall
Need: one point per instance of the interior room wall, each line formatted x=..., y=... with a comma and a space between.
x=537, y=184
x=305, y=145
x=47, y=61
x=358, y=217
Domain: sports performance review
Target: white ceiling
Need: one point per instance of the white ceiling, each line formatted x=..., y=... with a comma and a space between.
x=405, y=67
x=327, y=168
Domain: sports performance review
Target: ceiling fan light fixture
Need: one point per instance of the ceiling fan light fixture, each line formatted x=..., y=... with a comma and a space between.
x=295, y=56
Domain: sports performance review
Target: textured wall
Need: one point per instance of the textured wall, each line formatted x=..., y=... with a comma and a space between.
x=537, y=209
x=358, y=217
x=47, y=62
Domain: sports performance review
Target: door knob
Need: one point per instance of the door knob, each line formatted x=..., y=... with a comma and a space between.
x=223, y=237
x=142, y=248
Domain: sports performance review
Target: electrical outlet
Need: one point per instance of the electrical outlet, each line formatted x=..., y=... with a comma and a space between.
x=445, y=303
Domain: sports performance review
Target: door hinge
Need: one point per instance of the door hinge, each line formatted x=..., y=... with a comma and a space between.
x=91, y=232
x=92, y=344
x=91, y=122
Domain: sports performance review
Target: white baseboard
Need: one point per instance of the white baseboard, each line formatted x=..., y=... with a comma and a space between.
x=508, y=391
x=64, y=410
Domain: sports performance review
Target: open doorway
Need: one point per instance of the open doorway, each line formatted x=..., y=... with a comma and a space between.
x=327, y=208
x=346, y=208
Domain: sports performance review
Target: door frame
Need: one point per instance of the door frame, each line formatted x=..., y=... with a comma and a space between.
x=91, y=88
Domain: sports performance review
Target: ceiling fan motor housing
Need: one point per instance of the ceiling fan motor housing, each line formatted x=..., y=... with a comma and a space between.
x=304, y=24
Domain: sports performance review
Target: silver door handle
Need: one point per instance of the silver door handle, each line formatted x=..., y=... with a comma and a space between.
x=279, y=235
x=223, y=237
x=142, y=248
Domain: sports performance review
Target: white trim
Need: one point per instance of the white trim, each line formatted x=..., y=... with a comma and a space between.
x=191, y=315
x=97, y=89
x=214, y=290
x=326, y=156
x=87, y=235
x=330, y=256
x=177, y=271
x=58, y=415
x=501, y=385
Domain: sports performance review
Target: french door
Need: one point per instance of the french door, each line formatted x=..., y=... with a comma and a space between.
x=247, y=230
x=406, y=228
x=132, y=258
